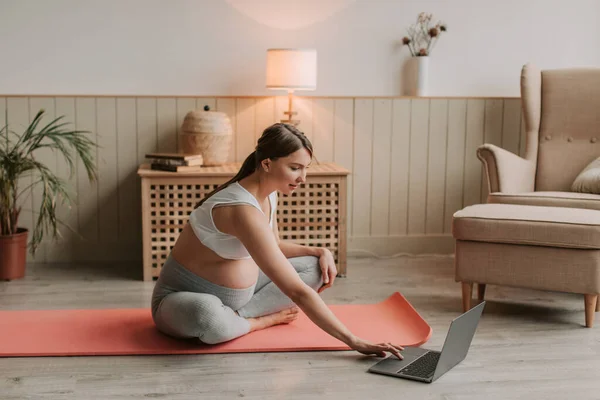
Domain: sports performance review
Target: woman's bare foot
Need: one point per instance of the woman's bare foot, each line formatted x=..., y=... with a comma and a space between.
x=282, y=317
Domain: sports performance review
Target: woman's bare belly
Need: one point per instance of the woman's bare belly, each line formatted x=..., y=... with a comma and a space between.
x=202, y=261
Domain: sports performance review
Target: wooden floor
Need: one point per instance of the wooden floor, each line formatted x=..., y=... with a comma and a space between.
x=529, y=344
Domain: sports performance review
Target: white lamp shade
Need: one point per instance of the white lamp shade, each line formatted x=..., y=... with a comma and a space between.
x=292, y=69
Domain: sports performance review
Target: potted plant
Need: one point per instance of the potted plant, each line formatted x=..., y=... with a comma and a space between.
x=17, y=160
x=422, y=38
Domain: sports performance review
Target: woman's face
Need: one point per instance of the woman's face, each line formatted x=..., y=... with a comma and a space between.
x=289, y=172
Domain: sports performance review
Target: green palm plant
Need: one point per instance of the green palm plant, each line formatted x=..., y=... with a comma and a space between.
x=17, y=161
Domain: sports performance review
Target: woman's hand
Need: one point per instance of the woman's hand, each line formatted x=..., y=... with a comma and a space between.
x=364, y=347
x=328, y=269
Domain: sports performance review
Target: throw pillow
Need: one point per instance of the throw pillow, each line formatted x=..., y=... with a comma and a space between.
x=588, y=180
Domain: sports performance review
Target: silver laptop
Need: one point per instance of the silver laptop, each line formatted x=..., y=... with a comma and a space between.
x=428, y=365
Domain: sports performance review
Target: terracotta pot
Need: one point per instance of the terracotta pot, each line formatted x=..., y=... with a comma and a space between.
x=13, y=253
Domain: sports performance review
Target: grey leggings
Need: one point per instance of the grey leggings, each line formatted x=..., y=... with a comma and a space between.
x=185, y=305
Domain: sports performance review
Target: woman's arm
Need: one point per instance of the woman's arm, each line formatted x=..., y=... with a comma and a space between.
x=251, y=229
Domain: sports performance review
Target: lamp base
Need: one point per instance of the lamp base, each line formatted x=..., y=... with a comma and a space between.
x=293, y=122
x=289, y=120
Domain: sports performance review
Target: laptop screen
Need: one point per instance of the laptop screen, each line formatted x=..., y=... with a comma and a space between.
x=461, y=332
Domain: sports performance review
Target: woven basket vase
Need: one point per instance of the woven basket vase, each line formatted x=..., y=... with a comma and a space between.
x=208, y=133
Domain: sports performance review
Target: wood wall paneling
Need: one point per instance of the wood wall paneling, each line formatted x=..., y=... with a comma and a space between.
x=413, y=161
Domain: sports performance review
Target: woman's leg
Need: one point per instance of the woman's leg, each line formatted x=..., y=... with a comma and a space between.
x=268, y=298
x=187, y=306
x=204, y=316
x=199, y=315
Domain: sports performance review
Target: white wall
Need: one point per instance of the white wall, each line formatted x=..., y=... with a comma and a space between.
x=217, y=47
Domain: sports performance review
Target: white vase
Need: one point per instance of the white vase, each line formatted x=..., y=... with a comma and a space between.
x=423, y=76
x=419, y=76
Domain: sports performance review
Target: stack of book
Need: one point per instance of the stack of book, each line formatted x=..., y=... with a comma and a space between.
x=175, y=162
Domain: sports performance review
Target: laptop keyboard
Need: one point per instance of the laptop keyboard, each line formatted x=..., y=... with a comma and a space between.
x=423, y=367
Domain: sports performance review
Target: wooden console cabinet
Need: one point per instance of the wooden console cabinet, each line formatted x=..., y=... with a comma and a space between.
x=314, y=215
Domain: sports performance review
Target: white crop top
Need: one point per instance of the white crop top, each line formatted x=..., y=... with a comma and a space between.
x=203, y=225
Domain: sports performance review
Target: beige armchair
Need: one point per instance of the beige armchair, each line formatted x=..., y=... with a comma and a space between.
x=539, y=234
x=561, y=110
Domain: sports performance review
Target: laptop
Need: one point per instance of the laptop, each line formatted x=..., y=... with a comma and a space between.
x=426, y=365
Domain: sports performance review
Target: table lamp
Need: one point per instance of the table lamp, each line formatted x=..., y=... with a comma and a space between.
x=291, y=69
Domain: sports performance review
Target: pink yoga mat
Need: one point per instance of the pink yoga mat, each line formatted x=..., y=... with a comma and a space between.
x=131, y=331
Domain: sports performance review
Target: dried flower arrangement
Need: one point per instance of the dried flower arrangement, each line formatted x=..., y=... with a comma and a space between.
x=422, y=36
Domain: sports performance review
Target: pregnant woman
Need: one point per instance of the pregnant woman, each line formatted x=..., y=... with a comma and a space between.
x=229, y=274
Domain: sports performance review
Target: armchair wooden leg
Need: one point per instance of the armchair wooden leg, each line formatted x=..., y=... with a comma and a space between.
x=597, y=305
x=467, y=290
x=590, y=307
x=480, y=292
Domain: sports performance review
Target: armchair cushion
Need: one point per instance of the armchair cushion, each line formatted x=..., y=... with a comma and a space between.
x=588, y=180
x=548, y=199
